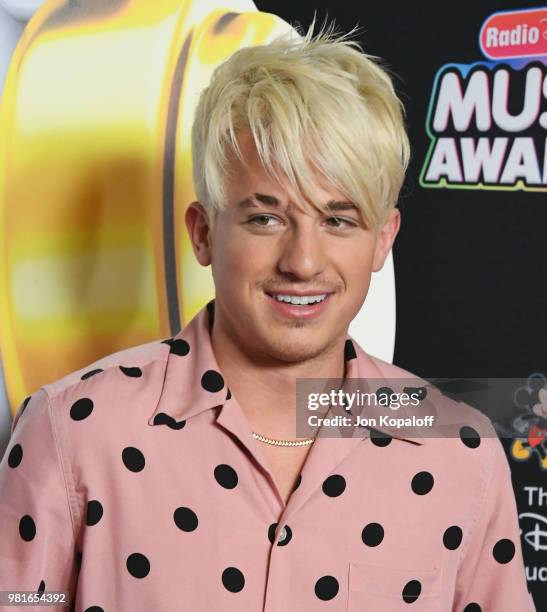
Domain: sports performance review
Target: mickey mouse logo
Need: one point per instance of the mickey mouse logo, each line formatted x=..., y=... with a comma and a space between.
x=532, y=423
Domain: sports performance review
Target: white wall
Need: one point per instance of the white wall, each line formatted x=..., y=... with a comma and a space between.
x=10, y=31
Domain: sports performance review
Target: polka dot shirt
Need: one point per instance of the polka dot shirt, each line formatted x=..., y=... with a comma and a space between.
x=135, y=484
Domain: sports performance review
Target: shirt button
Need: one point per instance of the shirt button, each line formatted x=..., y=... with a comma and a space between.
x=282, y=536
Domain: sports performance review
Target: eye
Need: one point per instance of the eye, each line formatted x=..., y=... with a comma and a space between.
x=261, y=220
x=339, y=222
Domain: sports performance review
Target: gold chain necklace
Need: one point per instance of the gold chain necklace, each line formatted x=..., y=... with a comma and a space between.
x=282, y=442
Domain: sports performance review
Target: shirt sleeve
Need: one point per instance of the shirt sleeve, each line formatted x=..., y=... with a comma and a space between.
x=491, y=574
x=37, y=543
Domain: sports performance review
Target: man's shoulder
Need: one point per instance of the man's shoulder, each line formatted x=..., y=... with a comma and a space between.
x=448, y=408
x=132, y=361
x=389, y=370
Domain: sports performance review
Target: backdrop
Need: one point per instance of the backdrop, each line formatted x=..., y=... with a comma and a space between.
x=95, y=175
x=471, y=258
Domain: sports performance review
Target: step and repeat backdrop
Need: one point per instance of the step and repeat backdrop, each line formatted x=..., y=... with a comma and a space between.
x=95, y=116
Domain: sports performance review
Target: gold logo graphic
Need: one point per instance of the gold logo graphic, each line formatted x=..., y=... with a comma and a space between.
x=96, y=172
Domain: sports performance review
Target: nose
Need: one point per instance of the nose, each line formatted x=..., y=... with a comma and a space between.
x=303, y=252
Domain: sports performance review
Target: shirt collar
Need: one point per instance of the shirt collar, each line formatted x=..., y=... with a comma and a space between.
x=193, y=382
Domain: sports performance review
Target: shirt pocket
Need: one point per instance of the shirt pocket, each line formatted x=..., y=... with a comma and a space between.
x=392, y=589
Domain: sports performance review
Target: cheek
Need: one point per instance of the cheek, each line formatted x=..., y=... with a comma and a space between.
x=354, y=263
x=238, y=260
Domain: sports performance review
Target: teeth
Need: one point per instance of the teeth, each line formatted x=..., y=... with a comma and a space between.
x=300, y=300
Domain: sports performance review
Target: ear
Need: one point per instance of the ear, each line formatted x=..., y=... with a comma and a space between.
x=385, y=238
x=199, y=231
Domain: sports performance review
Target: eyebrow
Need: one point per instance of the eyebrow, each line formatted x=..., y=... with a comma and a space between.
x=269, y=200
x=250, y=201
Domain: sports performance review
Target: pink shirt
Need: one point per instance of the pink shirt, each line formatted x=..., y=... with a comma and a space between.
x=135, y=484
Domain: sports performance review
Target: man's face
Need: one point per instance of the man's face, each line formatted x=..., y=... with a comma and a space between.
x=266, y=246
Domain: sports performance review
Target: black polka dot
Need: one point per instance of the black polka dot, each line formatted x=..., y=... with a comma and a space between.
x=176, y=424
x=91, y=373
x=180, y=347
x=452, y=537
x=211, y=310
x=288, y=536
x=15, y=456
x=411, y=591
x=298, y=481
x=379, y=438
x=422, y=483
x=472, y=607
x=504, y=550
x=133, y=459
x=94, y=512
x=345, y=404
x=470, y=437
x=420, y=393
x=94, y=609
x=271, y=534
x=228, y=395
x=185, y=519
x=41, y=587
x=326, y=588
x=138, y=565
x=226, y=476
x=164, y=419
x=81, y=409
x=349, y=350
x=78, y=560
x=212, y=381
x=25, y=403
x=334, y=485
x=233, y=579
x=386, y=394
x=132, y=372
x=27, y=528
x=168, y=341
x=372, y=534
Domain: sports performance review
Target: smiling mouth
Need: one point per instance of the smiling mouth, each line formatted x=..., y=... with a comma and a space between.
x=299, y=300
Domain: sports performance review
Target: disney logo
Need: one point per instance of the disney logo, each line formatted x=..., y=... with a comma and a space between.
x=536, y=538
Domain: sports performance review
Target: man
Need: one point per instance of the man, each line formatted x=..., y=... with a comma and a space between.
x=168, y=476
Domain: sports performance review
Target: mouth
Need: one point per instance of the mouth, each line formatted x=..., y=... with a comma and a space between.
x=298, y=306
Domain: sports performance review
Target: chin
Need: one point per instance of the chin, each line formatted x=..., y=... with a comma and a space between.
x=282, y=349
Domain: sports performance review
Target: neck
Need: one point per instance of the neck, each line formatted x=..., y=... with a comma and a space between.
x=265, y=387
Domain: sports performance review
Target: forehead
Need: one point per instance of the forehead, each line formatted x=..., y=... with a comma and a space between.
x=249, y=169
x=248, y=184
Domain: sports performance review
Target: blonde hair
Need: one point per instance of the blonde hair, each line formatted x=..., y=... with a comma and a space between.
x=313, y=104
